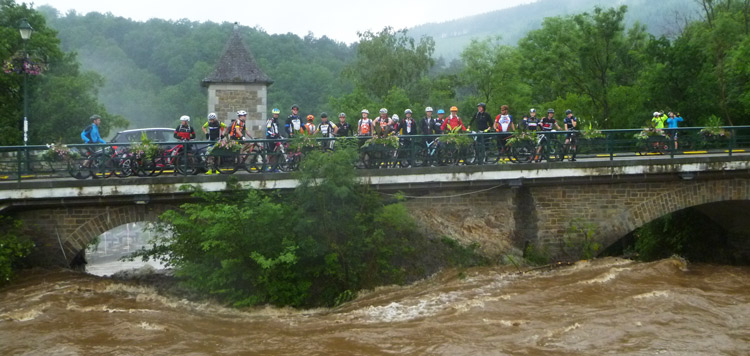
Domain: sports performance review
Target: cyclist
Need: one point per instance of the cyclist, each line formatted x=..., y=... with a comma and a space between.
x=546, y=125
x=396, y=124
x=214, y=131
x=344, y=128
x=237, y=130
x=453, y=122
x=91, y=133
x=658, y=121
x=482, y=118
x=309, y=127
x=428, y=123
x=409, y=126
x=382, y=122
x=364, y=125
x=570, y=123
x=293, y=123
x=184, y=132
x=272, y=128
x=672, y=124
x=327, y=129
x=437, y=126
x=503, y=124
x=531, y=122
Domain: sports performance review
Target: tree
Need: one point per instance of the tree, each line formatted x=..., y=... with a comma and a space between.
x=61, y=98
x=390, y=59
x=587, y=54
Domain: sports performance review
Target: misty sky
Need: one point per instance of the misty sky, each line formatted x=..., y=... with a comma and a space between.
x=336, y=19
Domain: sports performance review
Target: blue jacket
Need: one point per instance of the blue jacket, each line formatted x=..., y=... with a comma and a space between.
x=672, y=122
x=91, y=135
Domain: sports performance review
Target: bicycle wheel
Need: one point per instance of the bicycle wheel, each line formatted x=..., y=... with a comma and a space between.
x=123, y=167
x=467, y=155
x=553, y=151
x=256, y=162
x=77, y=168
x=522, y=152
x=185, y=165
x=289, y=162
x=103, y=167
x=447, y=155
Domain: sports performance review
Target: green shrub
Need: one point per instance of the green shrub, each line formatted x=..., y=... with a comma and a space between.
x=315, y=247
x=14, y=246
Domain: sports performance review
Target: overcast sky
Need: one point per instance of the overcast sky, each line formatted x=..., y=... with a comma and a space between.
x=336, y=19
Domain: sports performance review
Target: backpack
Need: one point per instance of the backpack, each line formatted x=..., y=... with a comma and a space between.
x=232, y=132
x=87, y=132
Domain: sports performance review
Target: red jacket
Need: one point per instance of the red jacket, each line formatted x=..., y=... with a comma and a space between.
x=452, y=122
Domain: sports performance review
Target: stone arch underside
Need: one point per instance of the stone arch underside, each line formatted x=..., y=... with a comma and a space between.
x=685, y=194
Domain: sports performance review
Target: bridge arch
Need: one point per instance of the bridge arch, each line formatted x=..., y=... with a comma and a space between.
x=684, y=195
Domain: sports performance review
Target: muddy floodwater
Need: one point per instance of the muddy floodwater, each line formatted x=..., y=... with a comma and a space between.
x=607, y=306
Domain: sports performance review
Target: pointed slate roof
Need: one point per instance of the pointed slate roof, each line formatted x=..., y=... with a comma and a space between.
x=237, y=64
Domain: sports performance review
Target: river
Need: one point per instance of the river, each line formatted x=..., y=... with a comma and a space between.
x=606, y=306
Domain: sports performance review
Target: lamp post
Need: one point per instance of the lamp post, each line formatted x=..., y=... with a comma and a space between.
x=25, y=29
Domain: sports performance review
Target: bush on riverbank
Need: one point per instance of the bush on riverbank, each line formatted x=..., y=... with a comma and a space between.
x=316, y=247
x=14, y=246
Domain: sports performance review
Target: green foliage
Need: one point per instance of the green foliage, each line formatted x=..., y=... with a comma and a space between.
x=580, y=240
x=146, y=148
x=389, y=59
x=331, y=238
x=60, y=100
x=686, y=233
x=457, y=138
x=536, y=255
x=389, y=141
x=14, y=246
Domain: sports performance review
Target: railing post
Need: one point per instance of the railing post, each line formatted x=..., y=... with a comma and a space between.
x=18, y=159
x=732, y=139
x=608, y=144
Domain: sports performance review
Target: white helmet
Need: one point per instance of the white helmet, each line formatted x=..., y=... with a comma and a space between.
x=428, y=109
x=364, y=111
x=242, y=113
x=185, y=118
x=383, y=111
x=394, y=117
x=212, y=116
x=656, y=113
x=407, y=111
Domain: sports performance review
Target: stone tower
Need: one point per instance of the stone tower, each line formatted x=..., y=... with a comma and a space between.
x=238, y=84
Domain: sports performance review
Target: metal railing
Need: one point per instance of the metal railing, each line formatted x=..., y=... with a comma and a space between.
x=284, y=155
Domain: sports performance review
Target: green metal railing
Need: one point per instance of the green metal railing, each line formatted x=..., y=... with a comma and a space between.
x=263, y=155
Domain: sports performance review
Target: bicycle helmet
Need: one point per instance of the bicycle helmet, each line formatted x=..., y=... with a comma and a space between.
x=95, y=117
x=394, y=117
x=483, y=105
x=324, y=115
x=656, y=113
x=185, y=118
x=568, y=112
x=383, y=111
x=441, y=111
x=310, y=118
x=342, y=115
x=295, y=107
x=212, y=116
x=428, y=109
x=365, y=111
x=407, y=111
x=550, y=111
x=275, y=111
x=242, y=113
x=453, y=108
x=532, y=110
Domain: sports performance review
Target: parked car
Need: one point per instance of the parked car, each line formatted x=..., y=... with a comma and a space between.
x=158, y=134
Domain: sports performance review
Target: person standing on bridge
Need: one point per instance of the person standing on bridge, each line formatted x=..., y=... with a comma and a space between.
x=237, y=131
x=293, y=124
x=453, y=123
x=91, y=133
x=344, y=128
x=214, y=131
x=184, y=132
x=672, y=124
x=428, y=123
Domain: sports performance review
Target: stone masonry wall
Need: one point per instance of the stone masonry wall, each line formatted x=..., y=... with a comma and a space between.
x=71, y=229
x=226, y=99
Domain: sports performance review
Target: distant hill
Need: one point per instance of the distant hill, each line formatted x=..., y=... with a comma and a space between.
x=663, y=17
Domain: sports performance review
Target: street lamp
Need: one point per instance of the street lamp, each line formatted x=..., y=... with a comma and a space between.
x=25, y=29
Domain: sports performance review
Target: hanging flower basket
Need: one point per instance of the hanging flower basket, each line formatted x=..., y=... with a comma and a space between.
x=21, y=64
x=225, y=148
x=58, y=153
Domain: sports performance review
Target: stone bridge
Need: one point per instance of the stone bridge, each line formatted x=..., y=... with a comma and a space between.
x=500, y=207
